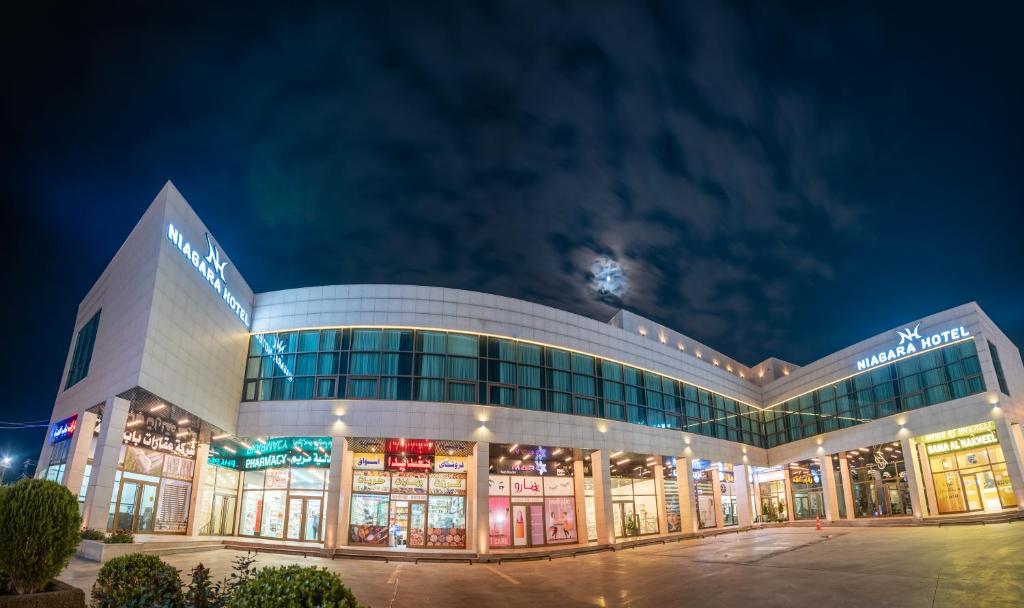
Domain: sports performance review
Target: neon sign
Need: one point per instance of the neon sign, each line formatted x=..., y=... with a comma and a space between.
x=64, y=429
x=210, y=268
x=912, y=342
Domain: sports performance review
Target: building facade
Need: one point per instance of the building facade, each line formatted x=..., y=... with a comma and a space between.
x=402, y=417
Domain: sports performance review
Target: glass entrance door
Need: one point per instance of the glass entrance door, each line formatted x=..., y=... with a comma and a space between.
x=971, y=492
x=146, y=508
x=136, y=507
x=989, y=492
x=399, y=530
x=626, y=521
x=417, y=523
x=304, y=519
x=223, y=516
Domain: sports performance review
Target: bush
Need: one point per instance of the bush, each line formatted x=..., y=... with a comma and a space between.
x=39, y=525
x=91, y=534
x=201, y=592
x=139, y=581
x=293, y=586
x=119, y=536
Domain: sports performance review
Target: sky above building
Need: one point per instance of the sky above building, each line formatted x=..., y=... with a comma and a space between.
x=771, y=180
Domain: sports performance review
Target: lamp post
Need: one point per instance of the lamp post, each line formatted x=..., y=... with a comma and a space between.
x=5, y=463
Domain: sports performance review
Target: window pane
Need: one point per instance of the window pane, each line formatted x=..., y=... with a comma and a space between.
x=366, y=339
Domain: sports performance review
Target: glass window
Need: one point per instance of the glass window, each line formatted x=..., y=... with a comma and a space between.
x=366, y=339
x=82, y=355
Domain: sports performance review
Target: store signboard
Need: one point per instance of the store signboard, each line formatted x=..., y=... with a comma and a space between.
x=912, y=342
x=453, y=484
x=365, y=461
x=409, y=483
x=558, y=486
x=371, y=481
x=62, y=430
x=409, y=463
x=450, y=464
x=963, y=438
x=157, y=433
x=278, y=445
x=498, y=485
x=210, y=268
x=526, y=486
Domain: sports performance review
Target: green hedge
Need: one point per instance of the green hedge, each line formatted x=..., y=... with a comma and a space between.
x=137, y=581
x=39, y=532
x=293, y=587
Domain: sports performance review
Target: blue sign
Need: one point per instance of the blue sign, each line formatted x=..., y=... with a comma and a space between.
x=63, y=429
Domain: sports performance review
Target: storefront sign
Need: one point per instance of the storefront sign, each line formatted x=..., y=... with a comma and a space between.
x=210, y=268
x=498, y=485
x=801, y=477
x=157, y=434
x=526, y=486
x=371, y=481
x=964, y=431
x=453, y=484
x=410, y=463
x=559, y=486
x=911, y=342
x=278, y=445
x=64, y=429
x=364, y=461
x=450, y=464
x=962, y=443
x=409, y=483
x=409, y=446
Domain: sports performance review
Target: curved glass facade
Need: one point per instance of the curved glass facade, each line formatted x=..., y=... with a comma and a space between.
x=428, y=365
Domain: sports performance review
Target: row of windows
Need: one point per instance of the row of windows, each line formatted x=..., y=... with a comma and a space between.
x=82, y=355
x=930, y=378
x=400, y=364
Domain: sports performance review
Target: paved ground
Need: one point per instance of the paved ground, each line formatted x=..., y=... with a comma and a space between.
x=954, y=566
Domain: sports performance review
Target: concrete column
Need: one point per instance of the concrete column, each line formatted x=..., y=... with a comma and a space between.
x=844, y=473
x=334, y=491
x=104, y=463
x=716, y=498
x=659, y=491
x=1012, y=444
x=579, y=493
x=343, y=491
x=78, y=452
x=687, y=496
x=744, y=517
x=790, y=507
x=198, y=487
x=601, y=474
x=828, y=488
x=478, y=491
x=929, y=481
x=914, y=482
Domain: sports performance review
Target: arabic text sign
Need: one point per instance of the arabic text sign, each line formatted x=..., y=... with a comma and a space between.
x=365, y=461
x=371, y=481
x=447, y=483
x=450, y=464
x=63, y=430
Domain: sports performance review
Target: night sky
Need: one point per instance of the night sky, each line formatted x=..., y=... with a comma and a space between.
x=772, y=180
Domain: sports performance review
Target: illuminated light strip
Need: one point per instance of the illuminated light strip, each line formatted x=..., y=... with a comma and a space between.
x=523, y=340
x=868, y=371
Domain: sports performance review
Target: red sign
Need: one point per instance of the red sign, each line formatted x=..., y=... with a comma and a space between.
x=410, y=463
x=409, y=446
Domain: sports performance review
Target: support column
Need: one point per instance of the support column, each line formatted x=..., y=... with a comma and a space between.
x=929, y=481
x=914, y=482
x=478, y=490
x=579, y=493
x=790, y=507
x=716, y=498
x=744, y=518
x=344, y=492
x=1012, y=443
x=333, y=507
x=602, y=476
x=192, y=527
x=104, y=463
x=844, y=473
x=659, y=491
x=78, y=452
x=828, y=487
x=687, y=495
x=758, y=515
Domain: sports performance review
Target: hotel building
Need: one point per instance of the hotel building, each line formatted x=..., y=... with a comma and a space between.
x=403, y=418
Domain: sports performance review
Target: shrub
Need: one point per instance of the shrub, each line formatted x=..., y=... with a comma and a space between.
x=137, y=580
x=201, y=592
x=293, y=586
x=39, y=525
x=119, y=537
x=91, y=534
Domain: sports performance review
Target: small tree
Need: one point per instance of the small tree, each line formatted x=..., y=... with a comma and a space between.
x=137, y=580
x=293, y=586
x=39, y=525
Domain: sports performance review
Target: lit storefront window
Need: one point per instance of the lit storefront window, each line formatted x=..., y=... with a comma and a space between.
x=770, y=492
x=727, y=488
x=805, y=481
x=704, y=494
x=531, y=496
x=634, y=495
x=409, y=493
x=879, y=478
x=673, y=513
x=969, y=470
x=217, y=503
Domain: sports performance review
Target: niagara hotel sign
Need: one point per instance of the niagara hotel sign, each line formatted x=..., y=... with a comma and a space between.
x=210, y=268
x=912, y=342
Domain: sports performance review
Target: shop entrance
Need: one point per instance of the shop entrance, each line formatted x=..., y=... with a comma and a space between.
x=304, y=518
x=980, y=491
x=222, y=521
x=627, y=522
x=527, y=525
x=136, y=506
x=407, y=523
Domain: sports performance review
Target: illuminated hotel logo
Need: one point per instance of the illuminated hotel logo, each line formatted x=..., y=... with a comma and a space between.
x=908, y=346
x=210, y=268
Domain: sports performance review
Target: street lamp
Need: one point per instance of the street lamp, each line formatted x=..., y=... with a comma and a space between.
x=4, y=464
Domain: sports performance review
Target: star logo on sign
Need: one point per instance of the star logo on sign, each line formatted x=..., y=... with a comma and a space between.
x=541, y=453
x=541, y=467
